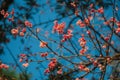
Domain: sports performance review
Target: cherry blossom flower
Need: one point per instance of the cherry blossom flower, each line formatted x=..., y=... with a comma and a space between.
x=76, y=12
x=3, y=66
x=112, y=19
x=118, y=24
x=23, y=55
x=82, y=51
x=21, y=34
x=118, y=30
x=77, y=79
x=86, y=69
x=55, y=26
x=37, y=30
x=99, y=65
x=47, y=70
x=73, y=4
x=67, y=36
x=14, y=31
x=43, y=44
x=104, y=46
x=86, y=21
x=25, y=64
x=11, y=19
x=59, y=71
x=52, y=65
x=27, y=23
x=80, y=23
x=82, y=41
x=21, y=60
x=54, y=60
x=59, y=27
x=44, y=54
x=100, y=10
x=107, y=22
x=2, y=12
x=81, y=66
x=91, y=5
x=95, y=63
x=24, y=30
x=6, y=15
x=12, y=12
x=88, y=32
x=80, y=79
x=107, y=38
x=91, y=59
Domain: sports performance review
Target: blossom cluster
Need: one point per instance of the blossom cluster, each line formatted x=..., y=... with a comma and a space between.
x=6, y=14
x=23, y=58
x=67, y=36
x=21, y=30
x=3, y=66
x=44, y=54
x=82, y=67
x=58, y=27
x=43, y=44
x=51, y=65
x=85, y=22
x=100, y=10
x=82, y=42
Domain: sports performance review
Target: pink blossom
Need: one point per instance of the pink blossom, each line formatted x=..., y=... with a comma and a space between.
x=118, y=24
x=47, y=70
x=6, y=15
x=95, y=63
x=92, y=11
x=82, y=41
x=21, y=34
x=88, y=32
x=77, y=79
x=11, y=19
x=58, y=27
x=24, y=30
x=14, y=31
x=51, y=65
x=25, y=64
x=106, y=23
x=81, y=66
x=67, y=36
x=86, y=21
x=73, y=4
x=100, y=10
x=21, y=60
x=80, y=23
x=2, y=12
x=59, y=71
x=118, y=30
x=44, y=54
x=82, y=51
x=86, y=69
x=4, y=66
x=107, y=38
x=23, y=55
x=12, y=12
x=43, y=44
x=112, y=19
x=27, y=23
x=55, y=26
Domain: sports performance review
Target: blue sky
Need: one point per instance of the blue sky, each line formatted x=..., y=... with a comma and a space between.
x=16, y=47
